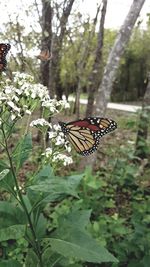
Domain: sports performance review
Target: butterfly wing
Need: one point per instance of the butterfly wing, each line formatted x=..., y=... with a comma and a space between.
x=82, y=139
x=4, y=48
x=44, y=55
x=85, y=134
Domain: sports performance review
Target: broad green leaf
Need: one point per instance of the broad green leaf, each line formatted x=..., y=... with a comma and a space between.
x=10, y=263
x=46, y=172
x=22, y=150
x=7, y=183
x=12, y=232
x=3, y=165
x=77, y=218
x=53, y=189
x=10, y=214
x=85, y=248
x=41, y=227
x=3, y=174
x=31, y=259
x=54, y=259
x=71, y=239
x=51, y=259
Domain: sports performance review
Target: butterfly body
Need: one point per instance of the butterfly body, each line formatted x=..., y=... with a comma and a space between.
x=4, y=48
x=85, y=134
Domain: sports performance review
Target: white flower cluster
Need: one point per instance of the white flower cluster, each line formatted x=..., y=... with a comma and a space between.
x=20, y=78
x=40, y=123
x=20, y=98
x=23, y=97
x=57, y=137
x=54, y=105
x=57, y=142
x=57, y=157
x=63, y=158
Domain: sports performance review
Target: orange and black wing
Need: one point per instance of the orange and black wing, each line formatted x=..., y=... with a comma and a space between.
x=4, y=48
x=82, y=140
x=85, y=134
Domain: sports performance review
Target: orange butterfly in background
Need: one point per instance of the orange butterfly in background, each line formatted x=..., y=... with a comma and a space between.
x=45, y=55
x=85, y=134
x=4, y=48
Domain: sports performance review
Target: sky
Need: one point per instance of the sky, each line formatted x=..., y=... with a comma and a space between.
x=116, y=11
x=115, y=15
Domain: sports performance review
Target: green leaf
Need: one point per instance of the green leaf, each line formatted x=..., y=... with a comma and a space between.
x=77, y=218
x=53, y=189
x=50, y=258
x=12, y=232
x=10, y=263
x=46, y=172
x=3, y=174
x=71, y=239
x=3, y=165
x=85, y=248
x=145, y=261
x=22, y=150
x=41, y=227
x=7, y=183
x=10, y=214
x=31, y=259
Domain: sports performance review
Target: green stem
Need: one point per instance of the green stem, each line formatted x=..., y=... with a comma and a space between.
x=36, y=244
x=27, y=126
x=44, y=140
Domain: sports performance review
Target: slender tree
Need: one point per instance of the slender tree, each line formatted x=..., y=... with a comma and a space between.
x=141, y=149
x=94, y=78
x=105, y=88
x=46, y=23
x=81, y=64
x=56, y=46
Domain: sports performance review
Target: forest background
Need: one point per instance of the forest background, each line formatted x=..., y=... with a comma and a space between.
x=58, y=208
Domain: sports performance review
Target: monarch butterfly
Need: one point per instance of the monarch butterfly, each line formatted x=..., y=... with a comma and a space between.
x=44, y=55
x=4, y=48
x=85, y=134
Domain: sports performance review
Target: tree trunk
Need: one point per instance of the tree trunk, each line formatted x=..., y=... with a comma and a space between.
x=57, y=40
x=82, y=62
x=105, y=88
x=47, y=14
x=94, y=78
x=141, y=148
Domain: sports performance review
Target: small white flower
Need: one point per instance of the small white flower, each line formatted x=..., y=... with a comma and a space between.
x=52, y=135
x=8, y=90
x=61, y=157
x=15, y=98
x=57, y=127
x=48, y=152
x=28, y=112
x=13, y=117
x=64, y=103
x=40, y=122
x=13, y=106
x=67, y=161
x=59, y=140
x=68, y=147
x=53, y=109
